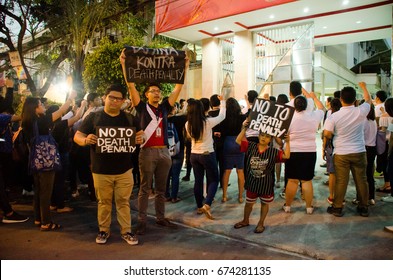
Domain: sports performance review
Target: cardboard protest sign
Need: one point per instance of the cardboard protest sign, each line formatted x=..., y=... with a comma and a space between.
x=271, y=118
x=14, y=59
x=115, y=139
x=154, y=65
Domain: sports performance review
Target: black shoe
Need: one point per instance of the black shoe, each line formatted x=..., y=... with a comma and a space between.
x=323, y=165
x=338, y=212
x=363, y=211
x=186, y=178
x=14, y=218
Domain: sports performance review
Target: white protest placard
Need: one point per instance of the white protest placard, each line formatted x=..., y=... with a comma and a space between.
x=115, y=139
x=271, y=118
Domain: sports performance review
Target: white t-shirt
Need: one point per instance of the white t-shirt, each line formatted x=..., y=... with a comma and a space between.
x=378, y=111
x=302, y=131
x=370, y=132
x=347, y=125
x=205, y=144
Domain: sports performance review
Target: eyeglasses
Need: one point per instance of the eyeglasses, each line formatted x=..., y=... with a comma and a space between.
x=114, y=98
x=154, y=91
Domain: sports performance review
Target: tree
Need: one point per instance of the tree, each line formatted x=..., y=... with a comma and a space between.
x=16, y=19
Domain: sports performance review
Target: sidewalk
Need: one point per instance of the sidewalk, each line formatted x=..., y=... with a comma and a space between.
x=320, y=235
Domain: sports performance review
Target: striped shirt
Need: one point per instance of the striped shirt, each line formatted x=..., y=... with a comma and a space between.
x=260, y=167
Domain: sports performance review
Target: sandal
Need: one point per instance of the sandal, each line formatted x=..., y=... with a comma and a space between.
x=50, y=227
x=259, y=229
x=384, y=189
x=240, y=225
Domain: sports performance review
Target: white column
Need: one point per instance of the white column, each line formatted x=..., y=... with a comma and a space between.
x=243, y=64
x=210, y=68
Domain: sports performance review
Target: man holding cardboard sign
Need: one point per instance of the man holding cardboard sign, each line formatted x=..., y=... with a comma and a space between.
x=154, y=159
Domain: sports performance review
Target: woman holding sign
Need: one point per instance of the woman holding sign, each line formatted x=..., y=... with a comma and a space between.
x=300, y=167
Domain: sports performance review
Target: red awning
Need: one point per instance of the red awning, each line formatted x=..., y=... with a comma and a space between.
x=175, y=14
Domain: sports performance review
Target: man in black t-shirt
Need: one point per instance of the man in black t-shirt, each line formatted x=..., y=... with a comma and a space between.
x=112, y=172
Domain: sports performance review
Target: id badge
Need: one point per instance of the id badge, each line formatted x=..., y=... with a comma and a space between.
x=158, y=132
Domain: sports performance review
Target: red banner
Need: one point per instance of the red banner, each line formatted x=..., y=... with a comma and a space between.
x=175, y=14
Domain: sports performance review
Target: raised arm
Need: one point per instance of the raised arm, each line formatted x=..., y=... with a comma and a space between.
x=64, y=108
x=134, y=94
x=78, y=113
x=242, y=133
x=317, y=102
x=366, y=94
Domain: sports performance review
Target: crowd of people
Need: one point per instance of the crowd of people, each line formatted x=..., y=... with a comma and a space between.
x=220, y=140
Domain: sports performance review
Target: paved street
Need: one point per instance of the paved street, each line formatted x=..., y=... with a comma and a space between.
x=288, y=236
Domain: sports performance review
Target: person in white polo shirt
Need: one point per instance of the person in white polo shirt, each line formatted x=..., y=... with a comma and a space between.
x=347, y=126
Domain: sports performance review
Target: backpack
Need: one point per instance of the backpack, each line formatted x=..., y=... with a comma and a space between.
x=173, y=140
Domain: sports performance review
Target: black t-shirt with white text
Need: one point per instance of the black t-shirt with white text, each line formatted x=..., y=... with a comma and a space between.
x=107, y=163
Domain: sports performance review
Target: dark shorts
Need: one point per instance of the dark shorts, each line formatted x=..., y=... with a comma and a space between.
x=301, y=166
x=252, y=197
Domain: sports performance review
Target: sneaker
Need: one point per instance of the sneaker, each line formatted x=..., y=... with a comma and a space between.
x=355, y=201
x=282, y=195
x=323, y=165
x=130, y=238
x=166, y=223
x=206, y=211
x=141, y=228
x=363, y=211
x=371, y=202
x=389, y=228
x=75, y=194
x=27, y=193
x=330, y=200
x=102, y=237
x=65, y=209
x=14, y=218
x=338, y=212
x=287, y=209
x=387, y=198
x=310, y=210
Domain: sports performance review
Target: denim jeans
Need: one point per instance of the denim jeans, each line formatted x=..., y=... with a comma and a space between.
x=174, y=175
x=356, y=163
x=202, y=163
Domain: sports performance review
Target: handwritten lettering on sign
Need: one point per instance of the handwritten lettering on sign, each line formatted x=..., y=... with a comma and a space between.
x=154, y=65
x=271, y=118
x=115, y=139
